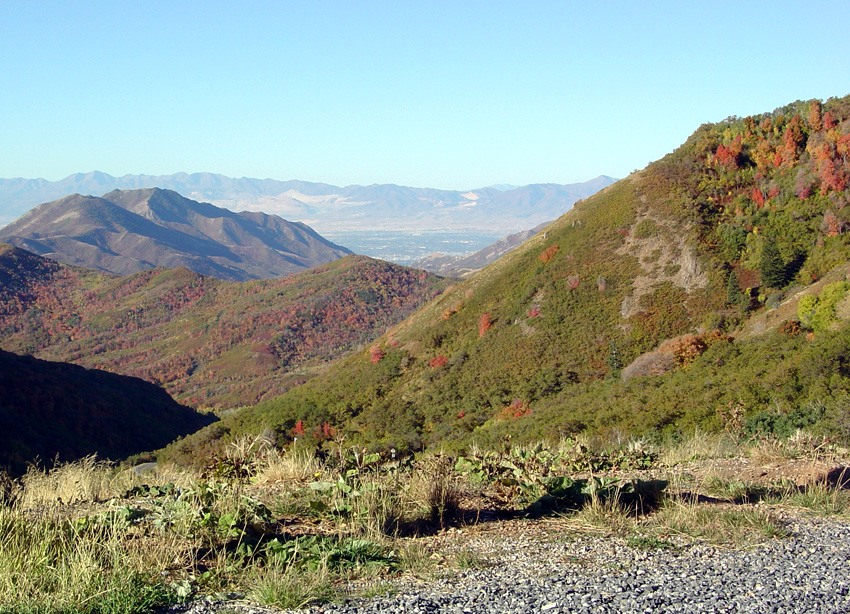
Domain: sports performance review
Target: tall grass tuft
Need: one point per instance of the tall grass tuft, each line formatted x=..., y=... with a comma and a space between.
x=822, y=498
x=85, y=480
x=290, y=587
x=699, y=446
x=52, y=565
x=293, y=465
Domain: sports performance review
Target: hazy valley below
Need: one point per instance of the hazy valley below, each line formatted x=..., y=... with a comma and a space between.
x=407, y=247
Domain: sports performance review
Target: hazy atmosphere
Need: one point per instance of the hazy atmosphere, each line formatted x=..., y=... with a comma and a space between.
x=423, y=94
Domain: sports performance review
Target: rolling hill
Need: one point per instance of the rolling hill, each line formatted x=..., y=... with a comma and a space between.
x=128, y=231
x=570, y=331
x=208, y=342
x=51, y=409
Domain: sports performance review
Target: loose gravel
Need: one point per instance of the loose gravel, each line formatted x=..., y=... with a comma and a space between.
x=807, y=572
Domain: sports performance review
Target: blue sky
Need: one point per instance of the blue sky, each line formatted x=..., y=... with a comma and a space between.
x=451, y=95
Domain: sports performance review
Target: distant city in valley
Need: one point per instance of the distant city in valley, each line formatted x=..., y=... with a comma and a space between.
x=408, y=247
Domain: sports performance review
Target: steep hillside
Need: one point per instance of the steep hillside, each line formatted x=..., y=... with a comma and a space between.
x=209, y=342
x=50, y=409
x=129, y=231
x=743, y=213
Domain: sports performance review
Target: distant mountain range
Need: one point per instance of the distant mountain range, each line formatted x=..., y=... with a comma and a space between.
x=327, y=207
x=128, y=231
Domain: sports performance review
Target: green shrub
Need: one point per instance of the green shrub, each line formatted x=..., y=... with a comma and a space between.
x=818, y=312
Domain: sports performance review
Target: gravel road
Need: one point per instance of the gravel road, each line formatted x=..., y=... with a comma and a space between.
x=807, y=572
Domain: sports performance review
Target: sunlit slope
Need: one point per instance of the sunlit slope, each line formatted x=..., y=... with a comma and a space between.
x=723, y=228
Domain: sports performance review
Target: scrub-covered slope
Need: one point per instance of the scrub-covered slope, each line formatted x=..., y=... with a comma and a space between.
x=209, y=342
x=744, y=213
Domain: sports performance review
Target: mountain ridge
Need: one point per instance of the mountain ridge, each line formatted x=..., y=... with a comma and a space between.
x=464, y=266
x=61, y=410
x=324, y=206
x=124, y=232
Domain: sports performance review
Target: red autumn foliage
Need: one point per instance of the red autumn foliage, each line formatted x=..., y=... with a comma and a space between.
x=803, y=187
x=484, y=324
x=328, y=431
x=438, y=361
x=829, y=121
x=126, y=325
x=450, y=311
x=791, y=328
x=517, y=409
x=299, y=429
x=727, y=155
x=548, y=253
x=793, y=140
x=687, y=347
x=376, y=353
x=815, y=122
x=832, y=177
x=832, y=225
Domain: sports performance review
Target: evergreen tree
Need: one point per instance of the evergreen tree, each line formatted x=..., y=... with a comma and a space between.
x=771, y=266
x=734, y=296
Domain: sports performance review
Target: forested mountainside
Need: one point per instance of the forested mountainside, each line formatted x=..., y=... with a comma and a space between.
x=208, y=342
x=128, y=231
x=52, y=410
x=736, y=224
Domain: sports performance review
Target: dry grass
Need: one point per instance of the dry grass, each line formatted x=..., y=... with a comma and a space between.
x=821, y=499
x=606, y=516
x=716, y=524
x=291, y=588
x=170, y=474
x=699, y=446
x=49, y=564
x=126, y=551
x=802, y=444
x=433, y=491
x=85, y=480
x=290, y=466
